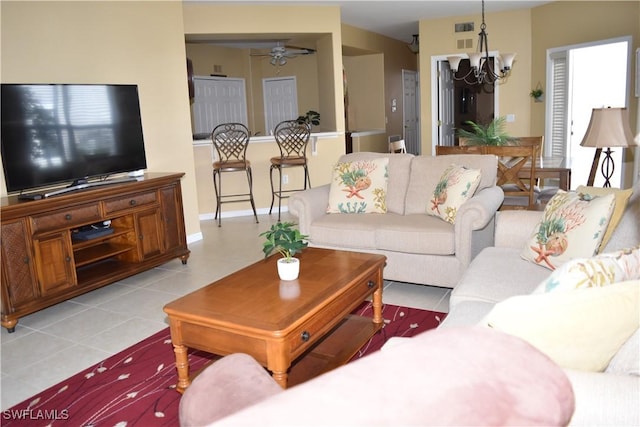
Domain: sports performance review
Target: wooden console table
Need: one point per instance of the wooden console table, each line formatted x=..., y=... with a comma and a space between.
x=42, y=263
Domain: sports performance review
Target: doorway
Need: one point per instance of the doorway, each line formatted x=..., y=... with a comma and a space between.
x=580, y=78
x=456, y=102
x=410, y=111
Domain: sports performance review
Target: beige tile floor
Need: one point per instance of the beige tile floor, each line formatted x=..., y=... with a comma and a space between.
x=57, y=342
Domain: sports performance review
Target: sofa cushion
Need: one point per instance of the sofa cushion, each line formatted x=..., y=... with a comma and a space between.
x=572, y=226
x=622, y=198
x=600, y=270
x=350, y=231
x=427, y=170
x=627, y=233
x=495, y=274
x=398, y=180
x=580, y=330
x=359, y=186
x=418, y=234
x=627, y=360
x=456, y=185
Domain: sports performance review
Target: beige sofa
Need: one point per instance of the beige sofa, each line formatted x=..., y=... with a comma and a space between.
x=419, y=248
x=498, y=272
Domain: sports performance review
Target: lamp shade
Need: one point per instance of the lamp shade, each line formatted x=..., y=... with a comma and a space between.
x=608, y=127
x=454, y=62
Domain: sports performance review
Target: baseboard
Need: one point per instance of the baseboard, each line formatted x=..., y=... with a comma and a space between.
x=239, y=213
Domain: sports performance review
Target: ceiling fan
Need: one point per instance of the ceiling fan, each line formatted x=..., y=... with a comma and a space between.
x=280, y=53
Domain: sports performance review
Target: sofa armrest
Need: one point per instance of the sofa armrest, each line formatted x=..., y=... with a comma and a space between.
x=308, y=205
x=513, y=228
x=605, y=399
x=476, y=213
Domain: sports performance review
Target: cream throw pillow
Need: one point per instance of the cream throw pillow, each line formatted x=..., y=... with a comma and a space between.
x=359, y=187
x=572, y=226
x=456, y=185
x=621, y=197
x=580, y=330
x=600, y=270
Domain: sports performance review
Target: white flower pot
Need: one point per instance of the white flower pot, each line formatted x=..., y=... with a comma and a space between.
x=288, y=270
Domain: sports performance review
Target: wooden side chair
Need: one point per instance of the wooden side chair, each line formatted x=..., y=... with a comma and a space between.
x=396, y=144
x=231, y=141
x=517, y=182
x=292, y=138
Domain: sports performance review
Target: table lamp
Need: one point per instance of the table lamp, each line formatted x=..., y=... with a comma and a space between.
x=608, y=127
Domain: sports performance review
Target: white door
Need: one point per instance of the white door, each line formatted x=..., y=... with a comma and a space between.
x=280, y=101
x=446, y=122
x=218, y=100
x=410, y=109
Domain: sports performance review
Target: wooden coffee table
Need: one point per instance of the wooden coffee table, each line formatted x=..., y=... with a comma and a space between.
x=297, y=329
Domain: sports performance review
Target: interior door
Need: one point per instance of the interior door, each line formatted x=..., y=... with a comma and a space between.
x=280, y=101
x=218, y=100
x=446, y=123
x=410, y=107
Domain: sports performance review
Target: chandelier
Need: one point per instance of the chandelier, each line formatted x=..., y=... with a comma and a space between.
x=483, y=69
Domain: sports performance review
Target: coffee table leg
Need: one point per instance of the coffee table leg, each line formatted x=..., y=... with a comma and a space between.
x=377, y=305
x=182, y=365
x=280, y=377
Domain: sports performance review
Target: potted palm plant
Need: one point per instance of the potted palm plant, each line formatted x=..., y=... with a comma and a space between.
x=288, y=241
x=492, y=133
x=310, y=117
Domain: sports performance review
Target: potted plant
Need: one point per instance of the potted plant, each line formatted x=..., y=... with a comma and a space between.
x=536, y=94
x=491, y=134
x=311, y=117
x=288, y=241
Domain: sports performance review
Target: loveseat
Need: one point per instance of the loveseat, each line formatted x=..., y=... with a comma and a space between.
x=420, y=248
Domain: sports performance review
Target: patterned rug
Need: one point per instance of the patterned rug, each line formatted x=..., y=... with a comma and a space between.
x=136, y=387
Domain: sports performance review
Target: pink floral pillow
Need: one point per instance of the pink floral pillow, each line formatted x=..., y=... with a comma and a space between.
x=456, y=185
x=572, y=226
x=359, y=187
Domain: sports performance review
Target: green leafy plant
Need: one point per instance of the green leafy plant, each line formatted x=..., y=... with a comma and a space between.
x=536, y=93
x=285, y=239
x=492, y=133
x=311, y=117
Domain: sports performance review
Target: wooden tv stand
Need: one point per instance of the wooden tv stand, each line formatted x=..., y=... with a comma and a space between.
x=42, y=263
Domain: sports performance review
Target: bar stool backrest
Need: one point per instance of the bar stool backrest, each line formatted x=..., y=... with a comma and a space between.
x=292, y=138
x=231, y=141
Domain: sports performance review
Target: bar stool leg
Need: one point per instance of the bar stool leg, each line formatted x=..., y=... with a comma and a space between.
x=273, y=194
x=217, y=185
x=253, y=205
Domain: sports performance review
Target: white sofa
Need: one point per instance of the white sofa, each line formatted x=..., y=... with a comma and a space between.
x=419, y=248
x=499, y=272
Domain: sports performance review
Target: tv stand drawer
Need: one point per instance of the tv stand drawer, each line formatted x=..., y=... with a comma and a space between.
x=66, y=218
x=130, y=201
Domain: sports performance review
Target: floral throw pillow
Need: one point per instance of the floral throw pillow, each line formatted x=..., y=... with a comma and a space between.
x=359, y=187
x=572, y=226
x=456, y=185
x=600, y=270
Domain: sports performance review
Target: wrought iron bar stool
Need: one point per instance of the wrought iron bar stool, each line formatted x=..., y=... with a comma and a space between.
x=231, y=141
x=292, y=138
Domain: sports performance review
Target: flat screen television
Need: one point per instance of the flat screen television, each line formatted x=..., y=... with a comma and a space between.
x=58, y=133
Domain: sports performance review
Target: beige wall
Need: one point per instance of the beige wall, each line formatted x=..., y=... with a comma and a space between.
x=365, y=88
x=112, y=42
x=396, y=57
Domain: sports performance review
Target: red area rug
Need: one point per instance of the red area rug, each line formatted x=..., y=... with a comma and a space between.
x=136, y=387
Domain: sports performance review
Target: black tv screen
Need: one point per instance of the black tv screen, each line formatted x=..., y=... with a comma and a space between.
x=55, y=133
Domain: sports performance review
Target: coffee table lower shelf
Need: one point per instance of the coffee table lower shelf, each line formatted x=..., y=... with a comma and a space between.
x=334, y=350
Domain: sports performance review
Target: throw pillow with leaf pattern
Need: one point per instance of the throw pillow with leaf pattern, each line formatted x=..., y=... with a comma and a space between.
x=456, y=185
x=359, y=187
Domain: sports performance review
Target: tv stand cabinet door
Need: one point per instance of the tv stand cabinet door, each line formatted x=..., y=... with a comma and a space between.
x=149, y=226
x=54, y=261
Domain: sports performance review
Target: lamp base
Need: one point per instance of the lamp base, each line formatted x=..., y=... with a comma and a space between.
x=606, y=168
